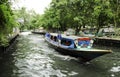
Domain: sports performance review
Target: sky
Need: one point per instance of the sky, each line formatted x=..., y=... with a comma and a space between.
x=37, y=5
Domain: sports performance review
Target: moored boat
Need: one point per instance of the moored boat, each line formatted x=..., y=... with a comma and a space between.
x=80, y=47
x=42, y=33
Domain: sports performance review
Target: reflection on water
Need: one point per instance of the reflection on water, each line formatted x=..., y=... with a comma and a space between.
x=32, y=57
x=115, y=69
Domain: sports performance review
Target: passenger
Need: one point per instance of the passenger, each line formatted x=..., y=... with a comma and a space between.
x=59, y=36
x=47, y=34
x=52, y=37
x=55, y=39
x=67, y=43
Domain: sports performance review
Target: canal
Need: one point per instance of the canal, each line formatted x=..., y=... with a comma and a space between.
x=30, y=56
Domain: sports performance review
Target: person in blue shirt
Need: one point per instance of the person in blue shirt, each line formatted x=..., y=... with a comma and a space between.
x=47, y=34
x=59, y=36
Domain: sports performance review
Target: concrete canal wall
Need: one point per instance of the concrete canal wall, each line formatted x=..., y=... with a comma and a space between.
x=11, y=38
x=107, y=41
x=11, y=41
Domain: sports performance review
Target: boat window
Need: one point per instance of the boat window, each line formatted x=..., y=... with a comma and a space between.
x=54, y=38
x=63, y=42
x=66, y=42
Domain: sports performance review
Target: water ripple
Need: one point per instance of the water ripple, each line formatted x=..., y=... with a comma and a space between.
x=32, y=57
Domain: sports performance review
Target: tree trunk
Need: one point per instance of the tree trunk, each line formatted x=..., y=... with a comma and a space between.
x=98, y=25
x=77, y=30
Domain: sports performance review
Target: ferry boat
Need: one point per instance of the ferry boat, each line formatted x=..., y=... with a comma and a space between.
x=79, y=47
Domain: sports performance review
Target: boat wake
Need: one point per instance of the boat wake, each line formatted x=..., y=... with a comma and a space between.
x=65, y=57
x=115, y=69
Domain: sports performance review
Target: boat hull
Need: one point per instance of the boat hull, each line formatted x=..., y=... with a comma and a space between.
x=84, y=55
x=42, y=33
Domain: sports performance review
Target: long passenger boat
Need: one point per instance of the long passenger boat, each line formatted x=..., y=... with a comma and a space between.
x=80, y=47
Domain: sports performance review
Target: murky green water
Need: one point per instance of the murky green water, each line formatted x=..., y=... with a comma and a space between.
x=31, y=56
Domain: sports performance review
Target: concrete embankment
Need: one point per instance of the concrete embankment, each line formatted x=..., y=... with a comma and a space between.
x=42, y=33
x=11, y=41
x=107, y=41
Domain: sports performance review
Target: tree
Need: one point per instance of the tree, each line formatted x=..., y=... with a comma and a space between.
x=7, y=21
x=115, y=6
x=80, y=14
x=102, y=13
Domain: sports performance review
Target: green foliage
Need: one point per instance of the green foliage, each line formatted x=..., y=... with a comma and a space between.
x=76, y=14
x=7, y=22
x=28, y=19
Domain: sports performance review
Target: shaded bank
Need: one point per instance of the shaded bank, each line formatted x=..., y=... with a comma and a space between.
x=107, y=41
x=11, y=41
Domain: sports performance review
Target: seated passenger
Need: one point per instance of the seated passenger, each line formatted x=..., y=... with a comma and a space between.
x=55, y=39
x=47, y=34
x=59, y=36
x=68, y=43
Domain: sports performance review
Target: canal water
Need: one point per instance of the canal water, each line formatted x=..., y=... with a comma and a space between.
x=30, y=56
